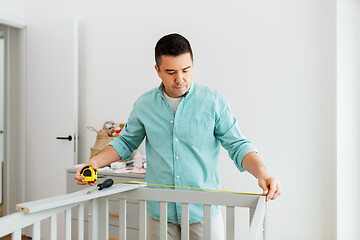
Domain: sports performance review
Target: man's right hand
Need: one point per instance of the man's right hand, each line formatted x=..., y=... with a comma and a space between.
x=79, y=178
x=102, y=159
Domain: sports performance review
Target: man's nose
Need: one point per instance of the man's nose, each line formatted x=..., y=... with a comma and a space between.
x=178, y=78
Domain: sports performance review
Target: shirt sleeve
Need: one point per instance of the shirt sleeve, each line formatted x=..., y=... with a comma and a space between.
x=130, y=136
x=231, y=138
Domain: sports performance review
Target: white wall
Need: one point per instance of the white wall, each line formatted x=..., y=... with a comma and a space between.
x=13, y=10
x=275, y=61
x=348, y=136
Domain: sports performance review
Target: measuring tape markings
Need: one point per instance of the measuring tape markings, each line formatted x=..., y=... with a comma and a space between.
x=193, y=188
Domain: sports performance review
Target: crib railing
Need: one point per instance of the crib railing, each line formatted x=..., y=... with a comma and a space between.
x=32, y=213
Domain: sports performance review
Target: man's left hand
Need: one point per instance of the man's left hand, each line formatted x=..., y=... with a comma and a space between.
x=271, y=187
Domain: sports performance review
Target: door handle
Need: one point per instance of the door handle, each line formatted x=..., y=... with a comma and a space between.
x=1, y=131
x=65, y=138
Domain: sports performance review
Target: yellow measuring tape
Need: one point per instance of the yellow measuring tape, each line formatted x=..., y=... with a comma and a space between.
x=193, y=188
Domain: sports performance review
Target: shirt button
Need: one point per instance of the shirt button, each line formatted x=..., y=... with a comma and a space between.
x=172, y=121
x=177, y=177
x=177, y=157
x=176, y=139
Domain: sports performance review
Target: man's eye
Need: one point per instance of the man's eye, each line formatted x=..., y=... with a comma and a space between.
x=170, y=73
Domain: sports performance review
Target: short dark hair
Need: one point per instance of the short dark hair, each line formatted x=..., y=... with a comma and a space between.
x=173, y=45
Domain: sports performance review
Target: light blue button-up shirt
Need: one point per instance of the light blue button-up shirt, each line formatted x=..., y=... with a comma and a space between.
x=183, y=150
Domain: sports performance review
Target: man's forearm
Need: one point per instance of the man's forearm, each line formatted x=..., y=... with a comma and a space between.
x=252, y=163
x=106, y=157
x=270, y=185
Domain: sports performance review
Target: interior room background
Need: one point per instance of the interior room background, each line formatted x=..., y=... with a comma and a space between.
x=275, y=62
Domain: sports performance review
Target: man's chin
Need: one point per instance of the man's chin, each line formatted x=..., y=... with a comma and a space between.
x=182, y=92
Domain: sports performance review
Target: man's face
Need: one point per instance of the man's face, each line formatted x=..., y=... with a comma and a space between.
x=176, y=74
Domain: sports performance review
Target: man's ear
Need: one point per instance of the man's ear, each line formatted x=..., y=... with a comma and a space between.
x=157, y=70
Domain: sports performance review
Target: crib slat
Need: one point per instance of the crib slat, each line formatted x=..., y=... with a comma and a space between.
x=94, y=219
x=122, y=219
x=184, y=221
x=251, y=214
x=81, y=222
x=16, y=235
x=257, y=223
x=53, y=227
x=230, y=223
x=142, y=220
x=265, y=222
x=68, y=224
x=36, y=230
x=207, y=222
x=163, y=220
x=103, y=213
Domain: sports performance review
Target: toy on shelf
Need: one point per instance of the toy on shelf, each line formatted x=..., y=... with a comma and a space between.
x=109, y=131
x=118, y=129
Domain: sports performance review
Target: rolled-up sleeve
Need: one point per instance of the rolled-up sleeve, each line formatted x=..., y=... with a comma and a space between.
x=130, y=136
x=231, y=138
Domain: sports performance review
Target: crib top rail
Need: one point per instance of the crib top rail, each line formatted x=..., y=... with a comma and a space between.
x=76, y=197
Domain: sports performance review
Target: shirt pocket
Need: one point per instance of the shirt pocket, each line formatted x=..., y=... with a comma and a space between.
x=197, y=132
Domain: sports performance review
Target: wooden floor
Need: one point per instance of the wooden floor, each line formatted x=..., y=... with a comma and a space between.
x=8, y=237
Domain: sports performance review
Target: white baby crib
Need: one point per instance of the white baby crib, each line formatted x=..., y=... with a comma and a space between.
x=32, y=213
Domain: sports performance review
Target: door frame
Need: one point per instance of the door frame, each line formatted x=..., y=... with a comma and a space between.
x=14, y=137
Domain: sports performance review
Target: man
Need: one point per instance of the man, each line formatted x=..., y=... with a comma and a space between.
x=184, y=124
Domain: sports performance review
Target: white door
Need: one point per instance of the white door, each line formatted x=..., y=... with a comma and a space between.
x=51, y=106
x=51, y=110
